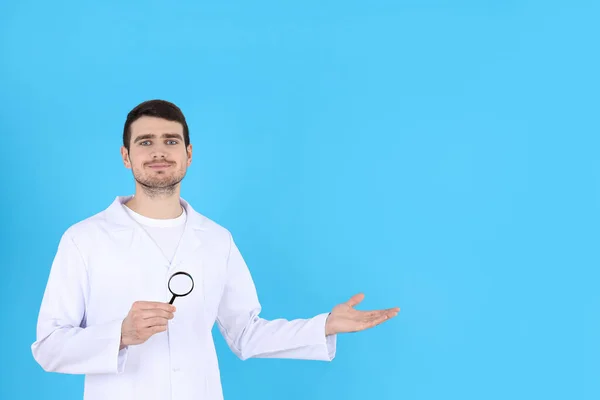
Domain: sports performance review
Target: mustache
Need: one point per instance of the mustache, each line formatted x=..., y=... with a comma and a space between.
x=159, y=162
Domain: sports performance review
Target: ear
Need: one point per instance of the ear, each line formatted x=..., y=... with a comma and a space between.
x=189, y=154
x=125, y=157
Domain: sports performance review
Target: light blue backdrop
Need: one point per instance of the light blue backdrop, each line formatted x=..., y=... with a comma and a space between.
x=443, y=157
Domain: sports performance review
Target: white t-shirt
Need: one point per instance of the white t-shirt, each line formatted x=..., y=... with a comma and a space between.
x=166, y=233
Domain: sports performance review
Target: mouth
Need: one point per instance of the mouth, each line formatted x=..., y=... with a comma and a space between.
x=159, y=165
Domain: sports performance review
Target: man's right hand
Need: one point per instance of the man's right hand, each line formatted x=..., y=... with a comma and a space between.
x=144, y=320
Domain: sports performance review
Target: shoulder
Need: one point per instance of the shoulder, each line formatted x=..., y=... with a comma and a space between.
x=205, y=225
x=87, y=228
x=210, y=229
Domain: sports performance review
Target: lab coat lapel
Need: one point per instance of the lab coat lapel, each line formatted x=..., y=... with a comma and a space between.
x=126, y=230
x=124, y=226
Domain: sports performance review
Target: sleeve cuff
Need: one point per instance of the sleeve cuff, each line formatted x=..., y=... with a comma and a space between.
x=111, y=332
x=331, y=346
x=329, y=341
x=121, y=359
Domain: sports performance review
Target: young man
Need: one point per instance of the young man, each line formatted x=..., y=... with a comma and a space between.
x=106, y=313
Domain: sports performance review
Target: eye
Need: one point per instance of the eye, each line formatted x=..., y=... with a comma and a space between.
x=145, y=143
x=172, y=141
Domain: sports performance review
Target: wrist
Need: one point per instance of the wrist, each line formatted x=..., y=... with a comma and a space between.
x=122, y=344
x=328, y=329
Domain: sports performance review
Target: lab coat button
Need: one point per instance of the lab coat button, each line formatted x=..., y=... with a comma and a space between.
x=176, y=370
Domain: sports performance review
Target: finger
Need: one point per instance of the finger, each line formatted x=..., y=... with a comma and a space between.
x=368, y=315
x=372, y=321
x=156, y=313
x=156, y=321
x=156, y=329
x=386, y=317
x=373, y=314
x=392, y=312
x=386, y=310
x=153, y=305
x=354, y=300
x=377, y=321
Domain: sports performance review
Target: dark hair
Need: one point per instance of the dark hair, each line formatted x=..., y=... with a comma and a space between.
x=159, y=109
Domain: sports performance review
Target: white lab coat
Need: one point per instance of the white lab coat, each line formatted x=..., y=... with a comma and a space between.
x=107, y=262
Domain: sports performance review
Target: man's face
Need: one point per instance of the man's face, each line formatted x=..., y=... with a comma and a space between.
x=157, y=154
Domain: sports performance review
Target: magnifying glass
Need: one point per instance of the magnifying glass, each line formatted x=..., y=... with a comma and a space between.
x=180, y=284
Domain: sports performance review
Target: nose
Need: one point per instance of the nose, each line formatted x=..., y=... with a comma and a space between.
x=158, y=152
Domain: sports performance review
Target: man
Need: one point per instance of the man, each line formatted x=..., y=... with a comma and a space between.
x=105, y=311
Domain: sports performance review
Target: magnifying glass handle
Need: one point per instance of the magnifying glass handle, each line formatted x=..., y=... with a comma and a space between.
x=172, y=299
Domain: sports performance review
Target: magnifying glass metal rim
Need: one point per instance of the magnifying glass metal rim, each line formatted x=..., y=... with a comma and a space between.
x=179, y=295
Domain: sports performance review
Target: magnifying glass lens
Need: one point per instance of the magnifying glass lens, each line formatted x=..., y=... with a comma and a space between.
x=180, y=285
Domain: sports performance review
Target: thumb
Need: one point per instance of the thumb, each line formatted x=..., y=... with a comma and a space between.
x=354, y=300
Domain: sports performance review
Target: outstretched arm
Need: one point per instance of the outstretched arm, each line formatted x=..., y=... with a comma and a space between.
x=250, y=336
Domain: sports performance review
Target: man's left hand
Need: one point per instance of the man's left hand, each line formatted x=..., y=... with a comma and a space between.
x=344, y=318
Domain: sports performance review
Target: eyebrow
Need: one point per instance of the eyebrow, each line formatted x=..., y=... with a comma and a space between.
x=153, y=136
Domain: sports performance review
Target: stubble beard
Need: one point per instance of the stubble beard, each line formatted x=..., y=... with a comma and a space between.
x=159, y=188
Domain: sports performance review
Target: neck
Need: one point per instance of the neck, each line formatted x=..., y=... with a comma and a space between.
x=156, y=205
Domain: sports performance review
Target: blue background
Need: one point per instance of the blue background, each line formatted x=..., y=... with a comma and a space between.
x=439, y=156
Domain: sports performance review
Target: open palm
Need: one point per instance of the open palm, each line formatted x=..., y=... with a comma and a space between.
x=345, y=318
